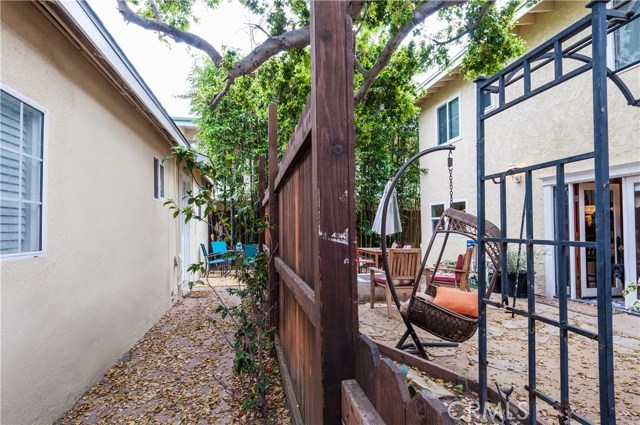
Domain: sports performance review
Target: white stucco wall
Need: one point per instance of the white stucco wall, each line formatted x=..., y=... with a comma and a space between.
x=108, y=271
x=555, y=124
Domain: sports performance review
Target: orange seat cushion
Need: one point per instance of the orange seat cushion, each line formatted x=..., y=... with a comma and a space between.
x=462, y=302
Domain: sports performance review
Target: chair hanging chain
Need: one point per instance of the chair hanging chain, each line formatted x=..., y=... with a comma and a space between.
x=450, y=164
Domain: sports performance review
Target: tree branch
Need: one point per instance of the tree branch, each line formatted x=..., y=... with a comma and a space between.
x=156, y=10
x=178, y=35
x=470, y=28
x=419, y=15
x=295, y=39
x=220, y=95
x=361, y=69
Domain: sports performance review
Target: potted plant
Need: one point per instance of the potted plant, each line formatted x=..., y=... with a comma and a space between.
x=516, y=272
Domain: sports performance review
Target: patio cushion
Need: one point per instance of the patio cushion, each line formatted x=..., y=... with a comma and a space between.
x=442, y=277
x=462, y=302
x=380, y=279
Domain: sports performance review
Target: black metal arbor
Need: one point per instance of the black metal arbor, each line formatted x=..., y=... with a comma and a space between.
x=602, y=21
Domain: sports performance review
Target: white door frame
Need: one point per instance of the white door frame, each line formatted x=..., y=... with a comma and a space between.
x=185, y=230
x=617, y=231
x=629, y=225
x=627, y=172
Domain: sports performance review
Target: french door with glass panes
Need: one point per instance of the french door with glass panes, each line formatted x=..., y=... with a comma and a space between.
x=587, y=216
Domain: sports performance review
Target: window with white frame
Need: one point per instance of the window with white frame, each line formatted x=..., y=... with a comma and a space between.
x=438, y=209
x=448, y=121
x=158, y=179
x=627, y=44
x=487, y=101
x=21, y=176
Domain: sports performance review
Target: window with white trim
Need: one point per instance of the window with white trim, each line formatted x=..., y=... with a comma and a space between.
x=627, y=44
x=158, y=179
x=21, y=176
x=448, y=121
x=487, y=101
x=438, y=209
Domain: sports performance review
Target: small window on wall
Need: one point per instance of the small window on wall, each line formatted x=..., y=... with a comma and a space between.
x=460, y=206
x=448, y=117
x=158, y=179
x=487, y=101
x=21, y=177
x=438, y=209
x=627, y=44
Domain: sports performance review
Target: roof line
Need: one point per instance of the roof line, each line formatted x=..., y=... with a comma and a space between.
x=109, y=58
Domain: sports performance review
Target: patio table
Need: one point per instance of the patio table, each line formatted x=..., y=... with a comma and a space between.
x=376, y=253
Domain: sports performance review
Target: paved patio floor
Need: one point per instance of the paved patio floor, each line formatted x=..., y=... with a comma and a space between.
x=507, y=347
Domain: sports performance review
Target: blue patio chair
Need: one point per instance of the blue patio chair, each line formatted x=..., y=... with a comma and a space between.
x=211, y=260
x=219, y=248
x=250, y=252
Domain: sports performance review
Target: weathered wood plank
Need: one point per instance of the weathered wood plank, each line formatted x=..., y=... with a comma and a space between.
x=262, y=184
x=356, y=407
x=427, y=409
x=392, y=393
x=292, y=400
x=434, y=370
x=367, y=360
x=333, y=194
x=298, y=143
x=304, y=295
x=265, y=200
x=274, y=281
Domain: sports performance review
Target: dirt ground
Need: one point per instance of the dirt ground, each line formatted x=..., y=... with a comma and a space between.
x=180, y=372
x=507, y=347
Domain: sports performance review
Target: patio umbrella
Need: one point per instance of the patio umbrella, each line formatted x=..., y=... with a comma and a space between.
x=393, y=214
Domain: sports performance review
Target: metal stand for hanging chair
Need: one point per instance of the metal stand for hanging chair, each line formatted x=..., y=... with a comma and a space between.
x=441, y=322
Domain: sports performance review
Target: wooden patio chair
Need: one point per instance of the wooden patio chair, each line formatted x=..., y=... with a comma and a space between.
x=404, y=265
x=454, y=277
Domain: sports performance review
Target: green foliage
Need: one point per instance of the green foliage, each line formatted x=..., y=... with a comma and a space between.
x=234, y=135
x=629, y=289
x=492, y=44
x=253, y=345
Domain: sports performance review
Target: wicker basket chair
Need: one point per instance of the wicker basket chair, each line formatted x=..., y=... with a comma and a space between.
x=435, y=319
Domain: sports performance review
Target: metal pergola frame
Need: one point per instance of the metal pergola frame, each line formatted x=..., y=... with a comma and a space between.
x=603, y=21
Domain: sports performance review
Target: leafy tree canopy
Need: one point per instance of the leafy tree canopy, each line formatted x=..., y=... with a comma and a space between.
x=380, y=28
x=231, y=90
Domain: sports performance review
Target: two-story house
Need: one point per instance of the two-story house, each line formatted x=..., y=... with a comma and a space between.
x=552, y=125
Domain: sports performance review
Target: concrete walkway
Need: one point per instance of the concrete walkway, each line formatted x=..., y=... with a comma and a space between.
x=180, y=372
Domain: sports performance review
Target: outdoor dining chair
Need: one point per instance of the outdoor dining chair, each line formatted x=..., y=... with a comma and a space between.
x=219, y=248
x=404, y=266
x=210, y=260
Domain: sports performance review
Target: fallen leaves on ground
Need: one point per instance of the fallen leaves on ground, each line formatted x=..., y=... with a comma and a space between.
x=180, y=372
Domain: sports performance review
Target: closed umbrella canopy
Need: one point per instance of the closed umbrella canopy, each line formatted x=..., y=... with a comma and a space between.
x=393, y=214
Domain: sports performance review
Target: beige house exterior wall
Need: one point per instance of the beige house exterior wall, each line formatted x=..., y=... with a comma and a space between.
x=110, y=267
x=555, y=124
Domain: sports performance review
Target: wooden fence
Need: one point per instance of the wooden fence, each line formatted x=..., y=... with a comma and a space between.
x=311, y=205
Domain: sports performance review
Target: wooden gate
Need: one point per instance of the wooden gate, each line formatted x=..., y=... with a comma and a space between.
x=311, y=203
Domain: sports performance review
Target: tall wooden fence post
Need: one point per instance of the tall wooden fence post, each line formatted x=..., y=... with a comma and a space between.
x=274, y=214
x=333, y=197
x=261, y=194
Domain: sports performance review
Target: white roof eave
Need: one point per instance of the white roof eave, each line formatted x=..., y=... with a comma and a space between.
x=107, y=56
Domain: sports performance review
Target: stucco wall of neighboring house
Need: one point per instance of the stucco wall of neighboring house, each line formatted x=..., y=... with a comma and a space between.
x=555, y=124
x=108, y=271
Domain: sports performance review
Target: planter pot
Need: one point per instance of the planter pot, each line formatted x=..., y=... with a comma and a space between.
x=511, y=281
